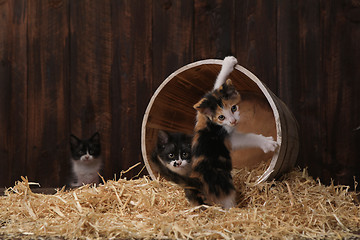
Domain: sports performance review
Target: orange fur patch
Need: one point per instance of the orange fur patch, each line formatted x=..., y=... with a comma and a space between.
x=197, y=105
x=227, y=104
x=200, y=124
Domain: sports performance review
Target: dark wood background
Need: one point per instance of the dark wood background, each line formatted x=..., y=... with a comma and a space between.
x=83, y=66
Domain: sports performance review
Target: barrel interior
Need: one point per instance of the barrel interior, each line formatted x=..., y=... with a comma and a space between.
x=172, y=110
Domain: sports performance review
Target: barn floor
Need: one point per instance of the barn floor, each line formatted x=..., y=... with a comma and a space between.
x=295, y=207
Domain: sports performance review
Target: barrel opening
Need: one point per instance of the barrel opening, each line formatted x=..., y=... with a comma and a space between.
x=171, y=109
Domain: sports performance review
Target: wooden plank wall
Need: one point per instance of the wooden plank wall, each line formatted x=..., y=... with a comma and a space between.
x=84, y=66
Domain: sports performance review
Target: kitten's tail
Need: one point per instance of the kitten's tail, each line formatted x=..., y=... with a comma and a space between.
x=227, y=67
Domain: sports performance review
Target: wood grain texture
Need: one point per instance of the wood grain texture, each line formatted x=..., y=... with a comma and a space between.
x=90, y=71
x=317, y=75
x=299, y=71
x=13, y=91
x=172, y=36
x=85, y=66
x=48, y=102
x=213, y=27
x=255, y=39
x=131, y=80
x=340, y=92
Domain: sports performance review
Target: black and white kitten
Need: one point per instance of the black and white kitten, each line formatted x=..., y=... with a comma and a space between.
x=173, y=151
x=85, y=160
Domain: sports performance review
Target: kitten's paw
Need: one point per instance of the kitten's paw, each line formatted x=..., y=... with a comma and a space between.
x=269, y=145
x=230, y=62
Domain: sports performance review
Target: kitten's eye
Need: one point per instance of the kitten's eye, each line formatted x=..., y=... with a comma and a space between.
x=81, y=152
x=91, y=152
x=185, y=155
x=171, y=155
x=233, y=108
x=221, y=117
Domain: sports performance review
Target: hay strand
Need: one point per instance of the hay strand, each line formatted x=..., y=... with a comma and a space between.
x=296, y=207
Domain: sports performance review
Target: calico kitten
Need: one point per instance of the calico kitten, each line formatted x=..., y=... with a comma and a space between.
x=85, y=159
x=221, y=106
x=173, y=152
x=218, y=114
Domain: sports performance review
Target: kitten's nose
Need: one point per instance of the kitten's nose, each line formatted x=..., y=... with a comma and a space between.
x=177, y=163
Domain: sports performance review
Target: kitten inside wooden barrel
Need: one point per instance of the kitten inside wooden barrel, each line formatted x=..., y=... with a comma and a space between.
x=218, y=114
x=86, y=160
x=172, y=153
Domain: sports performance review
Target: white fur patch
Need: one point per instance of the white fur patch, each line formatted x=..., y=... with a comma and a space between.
x=244, y=140
x=231, y=119
x=225, y=201
x=228, y=201
x=182, y=169
x=86, y=171
x=227, y=67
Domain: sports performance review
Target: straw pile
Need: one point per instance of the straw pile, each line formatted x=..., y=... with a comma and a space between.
x=295, y=207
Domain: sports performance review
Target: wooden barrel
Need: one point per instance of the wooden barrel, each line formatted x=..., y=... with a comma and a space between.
x=171, y=109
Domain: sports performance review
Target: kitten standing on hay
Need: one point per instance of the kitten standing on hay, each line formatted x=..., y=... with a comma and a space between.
x=215, y=135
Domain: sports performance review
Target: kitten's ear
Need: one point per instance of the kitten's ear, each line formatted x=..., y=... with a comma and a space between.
x=203, y=107
x=95, y=137
x=163, y=137
x=228, y=82
x=74, y=141
x=228, y=90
